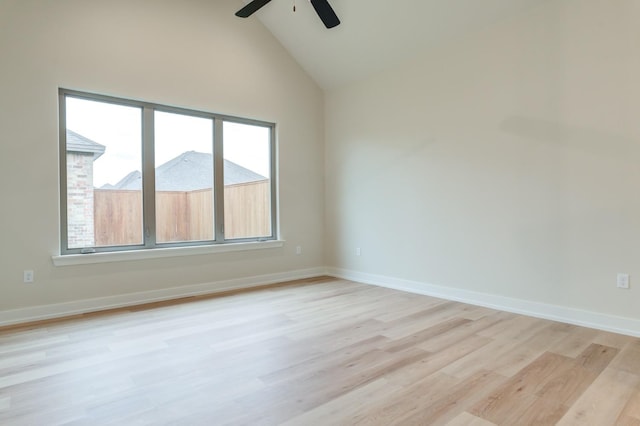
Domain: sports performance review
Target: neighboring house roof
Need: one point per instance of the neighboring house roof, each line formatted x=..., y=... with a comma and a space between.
x=130, y=181
x=79, y=143
x=189, y=171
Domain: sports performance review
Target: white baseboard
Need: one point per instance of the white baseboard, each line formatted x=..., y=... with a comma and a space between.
x=44, y=312
x=563, y=314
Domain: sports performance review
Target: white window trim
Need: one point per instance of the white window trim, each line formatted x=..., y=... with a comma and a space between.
x=158, y=253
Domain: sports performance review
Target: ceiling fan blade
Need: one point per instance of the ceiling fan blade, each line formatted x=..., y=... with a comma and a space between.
x=251, y=8
x=326, y=13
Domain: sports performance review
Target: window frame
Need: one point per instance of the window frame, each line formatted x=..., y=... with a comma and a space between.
x=147, y=118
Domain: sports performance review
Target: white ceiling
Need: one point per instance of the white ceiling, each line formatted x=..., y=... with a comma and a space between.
x=375, y=34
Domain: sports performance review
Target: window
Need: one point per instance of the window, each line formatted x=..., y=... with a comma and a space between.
x=137, y=175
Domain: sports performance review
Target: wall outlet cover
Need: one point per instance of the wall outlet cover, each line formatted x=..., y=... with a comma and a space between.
x=623, y=280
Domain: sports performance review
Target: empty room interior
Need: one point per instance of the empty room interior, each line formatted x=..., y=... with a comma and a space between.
x=320, y=213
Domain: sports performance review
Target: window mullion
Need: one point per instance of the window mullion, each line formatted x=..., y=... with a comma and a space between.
x=218, y=179
x=148, y=178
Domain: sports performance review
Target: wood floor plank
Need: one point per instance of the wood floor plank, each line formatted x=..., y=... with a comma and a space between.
x=577, y=340
x=425, y=334
x=28, y=344
x=516, y=357
x=613, y=340
x=466, y=419
x=415, y=323
x=565, y=386
x=526, y=351
x=410, y=306
x=405, y=401
x=515, y=328
x=475, y=313
x=629, y=359
x=348, y=406
x=468, y=365
x=5, y=403
x=459, y=397
x=439, y=360
x=338, y=335
x=322, y=351
x=324, y=362
x=467, y=330
x=603, y=402
x=316, y=387
x=632, y=408
x=543, y=412
x=8, y=364
x=627, y=421
x=513, y=398
x=597, y=357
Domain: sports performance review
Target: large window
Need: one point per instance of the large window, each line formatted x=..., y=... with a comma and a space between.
x=137, y=175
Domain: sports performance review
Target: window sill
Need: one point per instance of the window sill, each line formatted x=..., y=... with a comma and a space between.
x=124, y=256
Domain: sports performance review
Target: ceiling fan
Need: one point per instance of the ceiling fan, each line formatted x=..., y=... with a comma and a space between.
x=322, y=7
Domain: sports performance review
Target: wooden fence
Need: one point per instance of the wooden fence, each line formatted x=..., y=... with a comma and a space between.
x=182, y=216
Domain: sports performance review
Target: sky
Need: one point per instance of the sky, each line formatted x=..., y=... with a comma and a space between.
x=118, y=128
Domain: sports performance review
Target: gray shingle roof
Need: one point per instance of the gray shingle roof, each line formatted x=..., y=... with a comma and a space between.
x=133, y=180
x=189, y=171
x=78, y=143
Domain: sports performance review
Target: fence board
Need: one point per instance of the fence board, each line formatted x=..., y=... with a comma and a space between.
x=182, y=216
x=117, y=217
x=247, y=210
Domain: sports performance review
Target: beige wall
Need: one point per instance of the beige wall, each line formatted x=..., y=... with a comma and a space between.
x=507, y=162
x=192, y=54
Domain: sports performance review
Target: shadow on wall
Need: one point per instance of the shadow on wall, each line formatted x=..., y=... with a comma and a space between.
x=574, y=137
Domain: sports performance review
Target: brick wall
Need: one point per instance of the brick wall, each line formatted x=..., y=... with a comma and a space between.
x=80, y=231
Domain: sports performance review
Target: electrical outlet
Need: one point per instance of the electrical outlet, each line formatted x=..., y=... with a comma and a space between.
x=358, y=252
x=623, y=281
x=28, y=276
x=298, y=250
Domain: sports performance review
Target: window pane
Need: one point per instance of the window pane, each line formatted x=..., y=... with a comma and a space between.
x=104, y=184
x=184, y=177
x=247, y=181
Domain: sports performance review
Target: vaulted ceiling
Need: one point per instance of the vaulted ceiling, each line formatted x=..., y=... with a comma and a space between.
x=375, y=34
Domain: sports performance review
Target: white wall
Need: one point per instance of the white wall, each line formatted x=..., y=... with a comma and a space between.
x=191, y=53
x=506, y=163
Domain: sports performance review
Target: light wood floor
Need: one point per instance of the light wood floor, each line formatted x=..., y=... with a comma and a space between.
x=321, y=352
